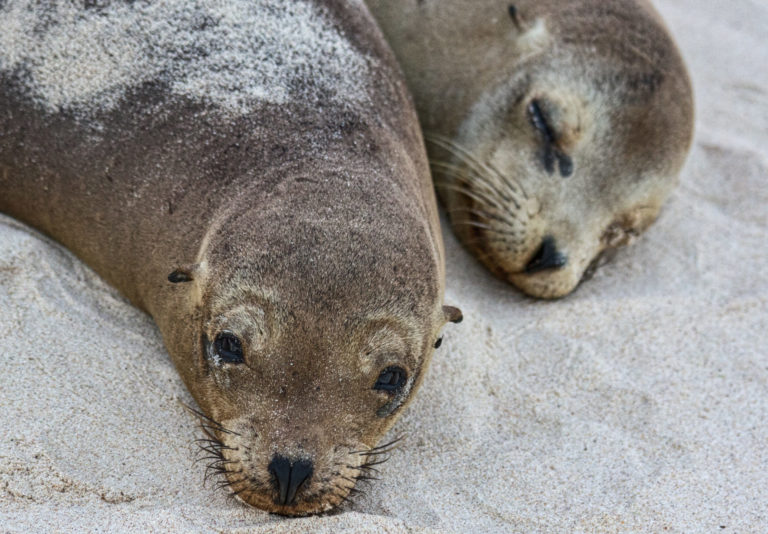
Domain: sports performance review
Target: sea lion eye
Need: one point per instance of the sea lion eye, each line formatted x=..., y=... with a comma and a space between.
x=551, y=153
x=540, y=122
x=391, y=379
x=228, y=347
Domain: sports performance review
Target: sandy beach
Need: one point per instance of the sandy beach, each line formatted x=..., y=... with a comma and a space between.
x=637, y=404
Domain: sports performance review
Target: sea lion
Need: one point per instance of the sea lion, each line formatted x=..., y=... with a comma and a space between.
x=558, y=129
x=250, y=173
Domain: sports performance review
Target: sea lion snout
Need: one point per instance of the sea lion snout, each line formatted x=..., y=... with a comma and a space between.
x=289, y=471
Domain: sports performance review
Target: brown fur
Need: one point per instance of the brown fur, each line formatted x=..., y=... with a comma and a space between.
x=307, y=228
x=612, y=85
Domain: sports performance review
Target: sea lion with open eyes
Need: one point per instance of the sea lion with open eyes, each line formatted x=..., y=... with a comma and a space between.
x=252, y=174
x=557, y=129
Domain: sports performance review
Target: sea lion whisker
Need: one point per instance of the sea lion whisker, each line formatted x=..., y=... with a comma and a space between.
x=366, y=468
x=492, y=241
x=229, y=483
x=211, y=422
x=212, y=447
x=241, y=490
x=475, y=195
x=210, y=450
x=491, y=170
x=215, y=443
x=220, y=464
x=376, y=462
x=464, y=178
x=198, y=460
x=452, y=146
x=382, y=450
x=212, y=472
x=378, y=453
x=453, y=149
x=199, y=414
x=476, y=225
x=379, y=447
x=396, y=440
x=354, y=492
x=480, y=197
x=480, y=213
x=221, y=470
x=218, y=429
x=210, y=453
x=342, y=498
x=466, y=175
x=477, y=178
x=482, y=226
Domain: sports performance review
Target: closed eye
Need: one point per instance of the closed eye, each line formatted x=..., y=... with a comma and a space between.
x=551, y=153
x=540, y=122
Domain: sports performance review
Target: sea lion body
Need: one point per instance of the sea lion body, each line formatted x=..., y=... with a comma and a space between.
x=266, y=156
x=558, y=129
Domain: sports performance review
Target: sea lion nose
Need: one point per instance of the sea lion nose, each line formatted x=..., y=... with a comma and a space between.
x=288, y=476
x=547, y=257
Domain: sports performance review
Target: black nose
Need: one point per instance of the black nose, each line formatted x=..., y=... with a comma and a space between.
x=288, y=476
x=547, y=257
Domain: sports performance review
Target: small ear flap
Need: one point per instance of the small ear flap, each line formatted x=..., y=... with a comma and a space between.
x=515, y=16
x=452, y=314
x=182, y=274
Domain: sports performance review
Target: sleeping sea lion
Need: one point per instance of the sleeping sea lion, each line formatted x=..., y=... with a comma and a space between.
x=557, y=129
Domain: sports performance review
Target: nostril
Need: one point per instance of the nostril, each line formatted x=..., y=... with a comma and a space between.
x=300, y=473
x=288, y=476
x=547, y=257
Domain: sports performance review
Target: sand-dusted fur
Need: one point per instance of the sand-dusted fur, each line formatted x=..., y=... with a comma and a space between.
x=278, y=176
x=557, y=129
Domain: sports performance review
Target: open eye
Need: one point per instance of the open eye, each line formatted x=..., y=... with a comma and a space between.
x=228, y=347
x=391, y=379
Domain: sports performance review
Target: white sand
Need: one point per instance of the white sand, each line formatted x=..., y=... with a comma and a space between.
x=638, y=404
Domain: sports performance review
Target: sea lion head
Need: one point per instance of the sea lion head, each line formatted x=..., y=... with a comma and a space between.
x=311, y=332
x=574, y=150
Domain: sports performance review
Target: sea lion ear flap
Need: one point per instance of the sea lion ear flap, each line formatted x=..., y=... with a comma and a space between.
x=183, y=274
x=452, y=314
x=514, y=14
